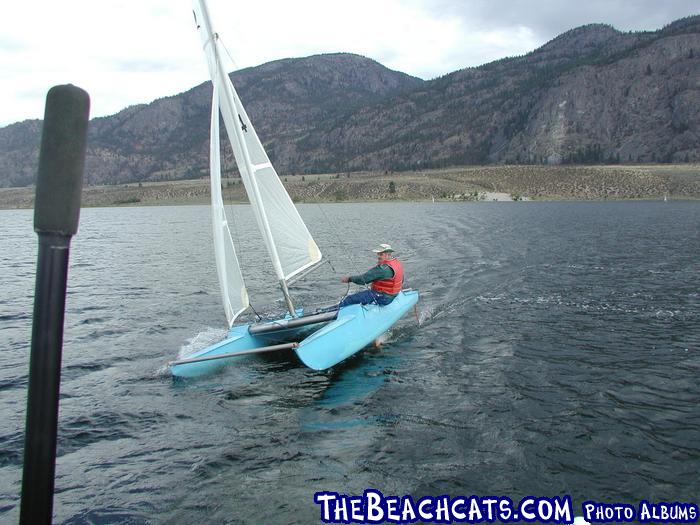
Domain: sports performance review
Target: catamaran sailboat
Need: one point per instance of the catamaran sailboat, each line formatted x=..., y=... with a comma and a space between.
x=321, y=339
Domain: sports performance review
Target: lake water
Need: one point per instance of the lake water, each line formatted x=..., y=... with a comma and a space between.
x=558, y=352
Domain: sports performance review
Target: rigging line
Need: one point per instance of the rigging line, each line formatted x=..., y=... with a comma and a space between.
x=336, y=304
x=254, y=311
x=352, y=264
x=347, y=291
x=338, y=239
x=233, y=62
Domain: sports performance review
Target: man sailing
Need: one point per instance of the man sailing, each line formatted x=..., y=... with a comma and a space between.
x=386, y=278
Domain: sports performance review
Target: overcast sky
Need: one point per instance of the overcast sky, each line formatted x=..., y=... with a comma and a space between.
x=129, y=52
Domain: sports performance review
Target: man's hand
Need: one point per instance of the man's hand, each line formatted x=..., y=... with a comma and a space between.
x=345, y=279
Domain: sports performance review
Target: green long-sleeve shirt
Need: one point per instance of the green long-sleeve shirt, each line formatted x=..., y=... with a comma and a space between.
x=373, y=274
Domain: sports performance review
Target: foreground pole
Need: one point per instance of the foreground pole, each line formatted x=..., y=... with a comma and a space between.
x=56, y=212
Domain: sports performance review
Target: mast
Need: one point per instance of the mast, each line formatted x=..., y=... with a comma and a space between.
x=228, y=104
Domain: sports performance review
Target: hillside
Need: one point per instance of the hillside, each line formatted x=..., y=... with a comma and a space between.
x=591, y=95
x=471, y=183
x=169, y=138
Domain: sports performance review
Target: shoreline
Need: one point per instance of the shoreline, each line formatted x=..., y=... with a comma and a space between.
x=455, y=184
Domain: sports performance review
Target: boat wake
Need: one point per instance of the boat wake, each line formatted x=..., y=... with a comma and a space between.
x=430, y=312
x=384, y=338
x=202, y=340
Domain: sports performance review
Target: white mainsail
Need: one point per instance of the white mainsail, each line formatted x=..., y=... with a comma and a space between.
x=295, y=247
x=288, y=241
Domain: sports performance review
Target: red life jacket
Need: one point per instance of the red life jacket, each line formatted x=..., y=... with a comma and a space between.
x=390, y=286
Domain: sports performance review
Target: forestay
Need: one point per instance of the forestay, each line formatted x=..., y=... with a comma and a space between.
x=288, y=241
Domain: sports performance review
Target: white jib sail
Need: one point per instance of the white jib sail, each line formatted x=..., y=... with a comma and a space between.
x=233, y=291
x=288, y=241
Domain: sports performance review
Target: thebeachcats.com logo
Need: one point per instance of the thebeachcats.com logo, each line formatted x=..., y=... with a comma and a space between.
x=375, y=507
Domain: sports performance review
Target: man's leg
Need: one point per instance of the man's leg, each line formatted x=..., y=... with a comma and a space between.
x=383, y=299
x=367, y=297
x=363, y=297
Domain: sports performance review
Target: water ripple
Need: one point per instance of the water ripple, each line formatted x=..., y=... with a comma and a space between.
x=556, y=350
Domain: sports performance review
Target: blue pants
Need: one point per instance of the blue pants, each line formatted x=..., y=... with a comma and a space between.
x=367, y=297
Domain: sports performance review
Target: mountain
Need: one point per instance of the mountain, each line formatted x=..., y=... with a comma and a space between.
x=592, y=94
x=169, y=138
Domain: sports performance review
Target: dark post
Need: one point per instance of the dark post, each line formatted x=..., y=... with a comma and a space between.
x=56, y=212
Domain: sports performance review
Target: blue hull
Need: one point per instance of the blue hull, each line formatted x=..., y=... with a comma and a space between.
x=355, y=327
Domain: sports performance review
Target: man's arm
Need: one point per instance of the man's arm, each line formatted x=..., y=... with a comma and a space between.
x=373, y=274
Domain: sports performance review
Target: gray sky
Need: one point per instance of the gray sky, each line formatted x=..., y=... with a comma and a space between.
x=126, y=52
